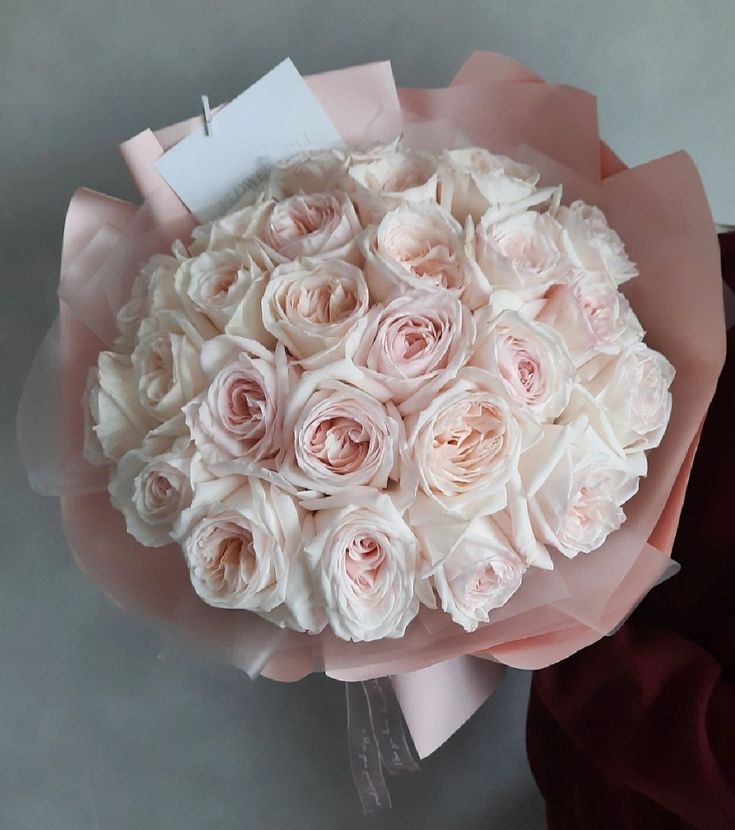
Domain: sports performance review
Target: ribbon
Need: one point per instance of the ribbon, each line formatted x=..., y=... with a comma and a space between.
x=377, y=741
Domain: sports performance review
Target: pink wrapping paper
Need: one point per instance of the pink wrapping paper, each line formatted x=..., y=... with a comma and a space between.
x=660, y=211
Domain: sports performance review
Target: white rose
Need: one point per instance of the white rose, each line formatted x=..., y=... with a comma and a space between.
x=384, y=181
x=311, y=306
x=222, y=289
x=628, y=401
x=479, y=573
x=420, y=247
x=166, y=363
x=529, y=357
x=524, y=253
x=473, y=179
x=464, y=446
x=114, y=419
x=151, y=492
x=313, y=171
x=239, y=224
x=576, y=487
x=414, y=346
x=593, y=244
x=592, y=316
x=239, y=416
x=339, y=439
x=365, y=566
x=317, y=225
x=242, y=539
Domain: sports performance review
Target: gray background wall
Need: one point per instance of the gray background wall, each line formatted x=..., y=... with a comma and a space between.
x=101, y=726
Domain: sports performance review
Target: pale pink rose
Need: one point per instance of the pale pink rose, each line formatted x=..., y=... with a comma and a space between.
x=464, y=446
x=479, y=573
x=414, y=346
x=473, y=179
x=387, y=179
x=239, y=416
x=166, y=363
x=115, y=422
x=525, y=252
x=241, y=223
x=628, y=401
x=317, y=225
x=365, y=565
x=311, y=305
x=417, y=248
x=339, y=437
x=529, y=357
x=222, y=289
x=593, y=244
x=151, y=492
x=243, y=543
x=576, y=487
x=313, y=171
x=592, y=316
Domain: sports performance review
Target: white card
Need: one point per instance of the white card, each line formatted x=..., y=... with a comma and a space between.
x=271, y=120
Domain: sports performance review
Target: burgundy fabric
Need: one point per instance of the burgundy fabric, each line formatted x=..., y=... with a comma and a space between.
x=638, y=731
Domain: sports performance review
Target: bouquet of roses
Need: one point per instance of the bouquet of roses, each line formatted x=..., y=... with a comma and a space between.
x=389, y=411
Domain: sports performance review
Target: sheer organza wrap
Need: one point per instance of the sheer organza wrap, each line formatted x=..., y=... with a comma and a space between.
x=660, y=211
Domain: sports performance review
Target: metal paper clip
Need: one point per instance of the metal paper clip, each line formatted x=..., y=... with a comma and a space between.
x=207, y=112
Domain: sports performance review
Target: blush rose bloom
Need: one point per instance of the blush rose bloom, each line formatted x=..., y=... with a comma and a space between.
x=311, y=305
x=365, y=566
x=239, y=417
x=420, y=247
x=629, y=401
x=524, y=253
x=414, y=346
x=221, y=290
x=385, y=180
x=114, y=419
x=242, y=223
x=339, y=439
x=592, y=316
x=317, y=225
x=313, y=171
x=464, y=447
x=593, y=244
x=480, y=572
x=243, y=543
x=530, y=358
x=151, y=492
x=472, y=180
x=576, y=487
x=166, y=363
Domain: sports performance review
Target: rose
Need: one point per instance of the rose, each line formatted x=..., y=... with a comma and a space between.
x=311, y=305
x=384, y=180
x=339, y=438
x=242, y=223
x=413, y=346
x=365, y=566
x=525, y=253
x=592, y=316
x=166, y=363
x=474, y=179
x=576, y=487
x=240, y=414
x=313, y=171
x=318, y=225
x=464, y=446
x=416, y=248
x=530, y=358
x=593, y=244
x=222, y=289
x=114, y=420
x=629, y=400
x=151, y=492
x=480, y=572
x=242, y=539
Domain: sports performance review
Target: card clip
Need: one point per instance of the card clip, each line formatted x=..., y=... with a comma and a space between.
x=207, y=112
